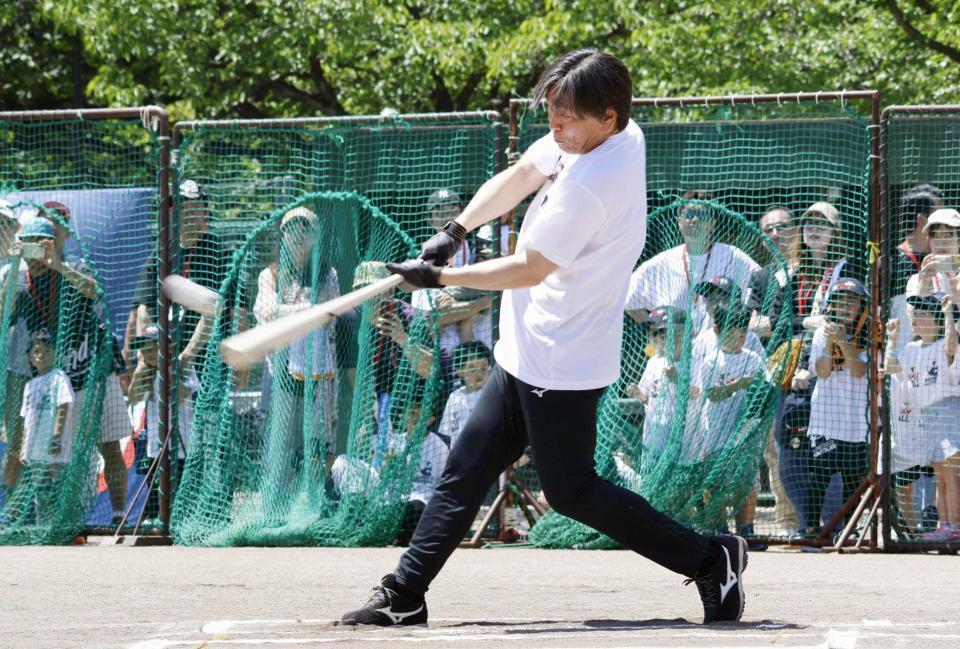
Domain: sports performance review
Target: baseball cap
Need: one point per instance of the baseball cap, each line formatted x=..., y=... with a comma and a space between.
x=58, y=207
x=848, y=285
x=6, y=210
x=38, y=228
x=298, y=213
x=944, y=216
x=443, y=197
x=824, y=209
x=191, y=190
x=720, y=286
x=369, y=272
x=661, y=317
x=926, y=302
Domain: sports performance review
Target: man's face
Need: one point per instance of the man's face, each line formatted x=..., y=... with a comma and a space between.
x=778, y=226
x=943, y=240
x=696, y=224
x=41, y=356
x=474, y=373
x=575, y=133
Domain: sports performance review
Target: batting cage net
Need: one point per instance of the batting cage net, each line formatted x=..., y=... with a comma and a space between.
x=921, y=165
x=337, y=439
x=744, y=400
x=79, y=199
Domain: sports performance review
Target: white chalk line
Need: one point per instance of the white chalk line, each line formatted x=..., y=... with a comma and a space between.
x=834, y=639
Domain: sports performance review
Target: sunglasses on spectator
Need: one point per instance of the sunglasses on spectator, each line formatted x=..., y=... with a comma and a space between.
x=776, y=227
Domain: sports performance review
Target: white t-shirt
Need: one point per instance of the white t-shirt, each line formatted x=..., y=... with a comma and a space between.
x=146, y=414
x=838, y=406
x=716, y=368
x=42, y=397
x=668, y=279
x=460, y=404
x=660, y=408
x=591, y=220
x=923, y=379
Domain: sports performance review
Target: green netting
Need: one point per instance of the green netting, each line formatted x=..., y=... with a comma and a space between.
x=84, y=193
x=338, y=439
x=922, y=156
x=750, y=456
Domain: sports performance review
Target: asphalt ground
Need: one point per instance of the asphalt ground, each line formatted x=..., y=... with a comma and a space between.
x=173, y=597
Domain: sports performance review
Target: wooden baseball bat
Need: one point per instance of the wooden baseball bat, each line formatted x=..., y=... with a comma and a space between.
x=197, y=298
x=251, y=346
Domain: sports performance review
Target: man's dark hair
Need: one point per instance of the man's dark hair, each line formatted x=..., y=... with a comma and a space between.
x=587, y=82
x=466, y=352
x=919, y=199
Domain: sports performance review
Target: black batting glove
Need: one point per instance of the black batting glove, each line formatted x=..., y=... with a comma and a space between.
x=416, y=273
x=444, y=244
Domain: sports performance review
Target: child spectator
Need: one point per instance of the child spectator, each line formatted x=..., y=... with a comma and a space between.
x=838, y=405
x=916, y=389
x=720, y=292
x=47, y=430
x=145, y=414
x=721, y=375
x=471, y=364
x=657, y=389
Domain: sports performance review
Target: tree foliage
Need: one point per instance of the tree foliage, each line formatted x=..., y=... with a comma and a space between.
x=259, y=58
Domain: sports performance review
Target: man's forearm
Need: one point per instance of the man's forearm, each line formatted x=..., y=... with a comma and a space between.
x=515, y=271
x=501, y=194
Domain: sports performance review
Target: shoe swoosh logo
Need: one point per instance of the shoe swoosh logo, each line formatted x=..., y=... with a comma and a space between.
x=731, y=578
x=397, y=618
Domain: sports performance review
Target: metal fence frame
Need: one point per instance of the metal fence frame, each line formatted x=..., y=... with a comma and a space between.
x=887, y=217
x=868, y=491
x=154, y=118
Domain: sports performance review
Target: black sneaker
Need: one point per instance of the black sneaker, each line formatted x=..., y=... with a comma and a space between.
x=388, y=607
x=721, y=587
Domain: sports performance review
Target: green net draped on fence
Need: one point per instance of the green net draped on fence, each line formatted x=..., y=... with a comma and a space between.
x=722, y=315
x=922, y=155
x=338, y=439
x=80, y=201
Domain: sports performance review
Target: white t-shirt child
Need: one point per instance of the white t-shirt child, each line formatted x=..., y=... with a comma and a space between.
x=42, y=398
x=661, y=404
x=838, y=406
x=715, y=369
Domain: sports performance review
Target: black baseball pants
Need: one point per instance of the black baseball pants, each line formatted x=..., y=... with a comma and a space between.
x=560, y=426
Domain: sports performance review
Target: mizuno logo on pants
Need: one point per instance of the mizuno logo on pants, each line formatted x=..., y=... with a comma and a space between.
x=539, y=391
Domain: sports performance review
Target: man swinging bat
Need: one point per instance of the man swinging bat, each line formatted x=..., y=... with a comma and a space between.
x=559, y=347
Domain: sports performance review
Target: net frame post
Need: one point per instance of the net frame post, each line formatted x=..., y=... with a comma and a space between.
x=518, y=106
x=887, y=215
x=154, y=118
